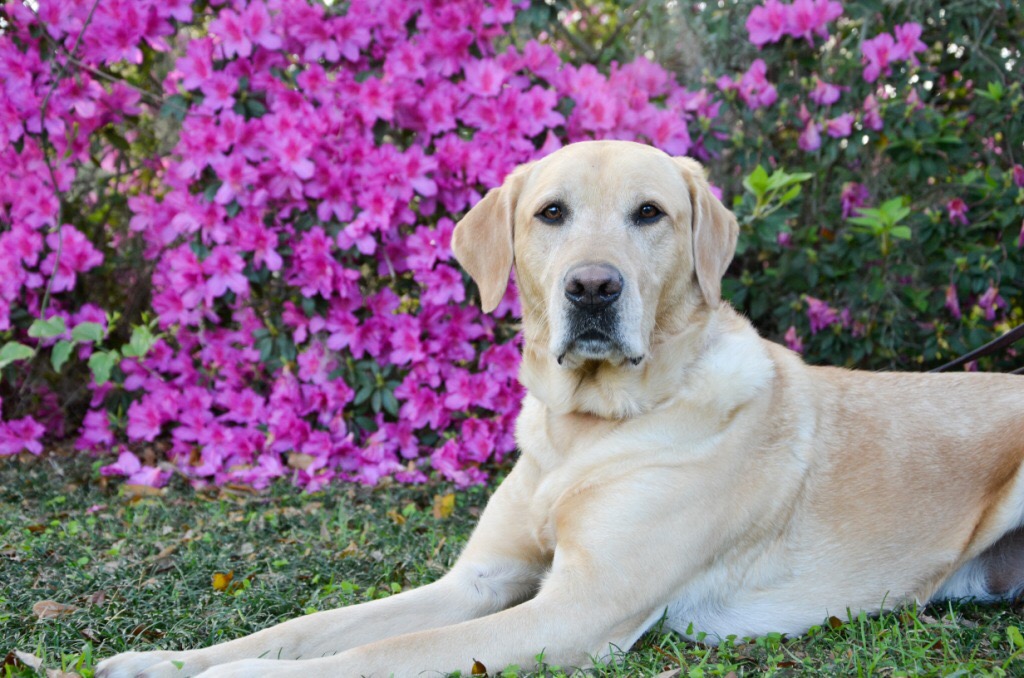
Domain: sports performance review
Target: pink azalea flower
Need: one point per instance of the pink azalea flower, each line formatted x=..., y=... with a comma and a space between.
x=804, y=18
x=878, y=53
x=196, y=67
x=95, y=433
x=147, y=415
x=767, y=23
x=840, y=126
x=223, y=269
x=228, y=27
x=236, y=174
x=259, y=27
x=21, y=435
x=793, y=340
x=406, y=342
x=484, y=77
x=128, y=464
x=820, y=314
x=219, y=90
x=908, y=42
x=872, y=114
x=853, y=196
x=77, y=256
x=754, y=88
x=952, y=302
x=810, y=138
x=824, y=94
x=990, y=301
x=292, y=153
x=957, y=209
x=441, y=286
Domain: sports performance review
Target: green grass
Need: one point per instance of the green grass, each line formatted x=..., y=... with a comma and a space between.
x=139, y=573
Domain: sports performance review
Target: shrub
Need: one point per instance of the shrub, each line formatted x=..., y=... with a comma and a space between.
x=251, y=205
x=224, y=227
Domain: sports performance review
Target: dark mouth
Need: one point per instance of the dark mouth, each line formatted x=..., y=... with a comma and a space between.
x=594, y=344
x=594, y=337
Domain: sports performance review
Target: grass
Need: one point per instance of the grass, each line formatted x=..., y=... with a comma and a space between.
x=188, y=569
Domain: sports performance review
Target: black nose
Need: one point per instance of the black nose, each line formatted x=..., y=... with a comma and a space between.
x=592, y=287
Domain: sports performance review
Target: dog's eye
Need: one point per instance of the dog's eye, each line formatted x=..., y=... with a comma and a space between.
x=552, y=214
x=648, y=213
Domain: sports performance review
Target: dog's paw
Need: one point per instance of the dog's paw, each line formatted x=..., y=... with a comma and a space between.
x=148, y=665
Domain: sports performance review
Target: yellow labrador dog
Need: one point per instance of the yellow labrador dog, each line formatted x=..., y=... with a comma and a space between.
x=674, y=464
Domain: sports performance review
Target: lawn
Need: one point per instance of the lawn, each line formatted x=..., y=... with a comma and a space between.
x=88, y=570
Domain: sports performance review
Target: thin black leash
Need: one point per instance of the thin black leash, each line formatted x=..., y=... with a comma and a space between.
x=1011, y=337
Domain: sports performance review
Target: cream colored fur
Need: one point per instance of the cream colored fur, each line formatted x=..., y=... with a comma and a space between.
x=719, y=483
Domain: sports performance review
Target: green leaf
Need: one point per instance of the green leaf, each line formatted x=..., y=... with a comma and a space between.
x=61, y=353
x=1014, y=634
x=255, y=109
x=88, y=332
x=142, y=340
x=778, y=180
x=873, y=224
x=390, y=403
x=901, y=232
x=757, y=181
x=12, y=351
x=102, y=363
x=790, y=194
x=893, y=210
x=46, y=329
x=363, y=394
x=210, y=191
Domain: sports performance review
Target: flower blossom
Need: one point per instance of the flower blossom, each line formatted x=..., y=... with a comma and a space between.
x=957, y=209
x=820, y=314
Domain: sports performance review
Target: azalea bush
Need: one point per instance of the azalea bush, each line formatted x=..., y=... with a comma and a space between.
x=225, y=226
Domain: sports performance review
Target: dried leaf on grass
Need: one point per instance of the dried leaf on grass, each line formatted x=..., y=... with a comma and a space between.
x=300, y=460
x=135, y=492
x=17, y=659
x=51, y=609
x=444, y=505
x=221, y=580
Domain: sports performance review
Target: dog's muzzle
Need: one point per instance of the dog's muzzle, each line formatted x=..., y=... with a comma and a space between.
x=593, y=290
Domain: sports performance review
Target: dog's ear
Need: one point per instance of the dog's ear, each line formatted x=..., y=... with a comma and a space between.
x=482, y=241
x=714, y=231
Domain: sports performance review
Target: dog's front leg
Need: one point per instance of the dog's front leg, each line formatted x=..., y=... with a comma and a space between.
x=610, y=580
x=447, y=601
x=499, y=567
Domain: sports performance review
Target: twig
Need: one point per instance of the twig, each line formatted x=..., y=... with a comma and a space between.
x=576, y=41
x=45, y=142
x=45, y=138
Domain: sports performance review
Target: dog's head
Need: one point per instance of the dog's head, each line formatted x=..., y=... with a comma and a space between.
x=613, y=243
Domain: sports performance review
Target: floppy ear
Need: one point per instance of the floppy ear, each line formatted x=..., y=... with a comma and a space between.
x=482, y=241
x=714, y=232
